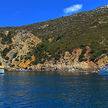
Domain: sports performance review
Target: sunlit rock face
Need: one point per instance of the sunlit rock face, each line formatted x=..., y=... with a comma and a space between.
x=20, y=44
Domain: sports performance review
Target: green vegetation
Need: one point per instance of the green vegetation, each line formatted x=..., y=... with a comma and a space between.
x=81, y=57
x=75, y=31
x=5, y=51
x=40, y=53
x=6, y=39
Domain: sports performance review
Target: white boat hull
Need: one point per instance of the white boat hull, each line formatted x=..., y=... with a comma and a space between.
x=71, y=70
x=2, y=71
x=23, y=70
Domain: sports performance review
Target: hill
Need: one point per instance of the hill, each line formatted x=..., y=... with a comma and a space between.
x=50, y=40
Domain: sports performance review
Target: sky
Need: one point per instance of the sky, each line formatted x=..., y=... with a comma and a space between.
x=24, y=12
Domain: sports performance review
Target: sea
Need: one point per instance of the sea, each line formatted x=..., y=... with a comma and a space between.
x=52, y=90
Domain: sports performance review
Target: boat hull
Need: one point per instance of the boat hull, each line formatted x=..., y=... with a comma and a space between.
x=23, y=70
x=103, y=72
x=71, y=70
x=2, y=71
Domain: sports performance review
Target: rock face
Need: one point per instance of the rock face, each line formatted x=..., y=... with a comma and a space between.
x=103, y=59
x=69, y=60
x=22, y=42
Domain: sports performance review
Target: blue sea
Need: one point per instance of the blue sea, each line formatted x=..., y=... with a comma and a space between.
x=51, y=90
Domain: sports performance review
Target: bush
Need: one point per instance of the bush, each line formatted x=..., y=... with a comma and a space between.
x=81, y=57
x=7, y=39
x=5, y=51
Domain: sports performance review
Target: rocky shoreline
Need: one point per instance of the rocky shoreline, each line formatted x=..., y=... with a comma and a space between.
x=65, y=70
x=16, y=58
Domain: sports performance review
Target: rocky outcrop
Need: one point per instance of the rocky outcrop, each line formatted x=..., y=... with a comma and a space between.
x=22, y=42
x=67, y=61
x=103, y=59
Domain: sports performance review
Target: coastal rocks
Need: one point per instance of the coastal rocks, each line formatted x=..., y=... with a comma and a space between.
x=37, y=67
x=78, y=67
x=69, y=61
x=24, y=64
x=75, y=54
x=70, y=58
x=103, y=59
x=85, y=66
x=27, y=63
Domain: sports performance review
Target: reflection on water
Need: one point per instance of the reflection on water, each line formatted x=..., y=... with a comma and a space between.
x=44, y=90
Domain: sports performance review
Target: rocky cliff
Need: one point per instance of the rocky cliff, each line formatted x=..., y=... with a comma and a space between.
x=15, y=46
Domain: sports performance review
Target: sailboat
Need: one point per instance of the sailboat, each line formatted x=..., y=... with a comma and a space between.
x=1, y=66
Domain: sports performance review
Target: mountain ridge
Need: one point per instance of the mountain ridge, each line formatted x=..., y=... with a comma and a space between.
x=104, y=6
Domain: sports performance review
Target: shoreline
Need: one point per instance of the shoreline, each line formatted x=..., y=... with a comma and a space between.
x=55, y=72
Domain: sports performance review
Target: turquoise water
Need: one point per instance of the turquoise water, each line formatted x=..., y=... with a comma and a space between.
x=40, y=90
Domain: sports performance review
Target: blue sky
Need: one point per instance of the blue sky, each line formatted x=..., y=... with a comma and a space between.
x=23, y=12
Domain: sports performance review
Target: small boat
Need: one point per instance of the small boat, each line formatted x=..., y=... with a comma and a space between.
x=103, y=71
x=2, y=71
x=22, y=70
x=71, y=70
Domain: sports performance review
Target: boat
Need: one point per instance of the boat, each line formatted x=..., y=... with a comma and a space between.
x=104, y=70
x=22, y=70
x=71, y=70
x=2, y=70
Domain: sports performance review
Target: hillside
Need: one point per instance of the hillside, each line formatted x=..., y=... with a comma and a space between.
x=51, y=40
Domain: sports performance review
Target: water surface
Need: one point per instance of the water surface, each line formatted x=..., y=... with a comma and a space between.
x=43, y=90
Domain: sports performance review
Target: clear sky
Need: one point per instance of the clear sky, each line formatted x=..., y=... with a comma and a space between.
x=23, y=12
